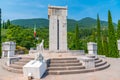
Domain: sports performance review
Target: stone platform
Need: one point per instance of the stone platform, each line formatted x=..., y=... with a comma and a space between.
x=59, y=64
x=111, y=73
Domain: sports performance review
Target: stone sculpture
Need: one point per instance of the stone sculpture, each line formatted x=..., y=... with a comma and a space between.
x=39, y=57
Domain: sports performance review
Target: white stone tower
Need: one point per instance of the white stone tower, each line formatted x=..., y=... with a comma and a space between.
x=57, y=28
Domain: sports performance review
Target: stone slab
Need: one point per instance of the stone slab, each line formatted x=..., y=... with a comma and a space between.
x=36, y=68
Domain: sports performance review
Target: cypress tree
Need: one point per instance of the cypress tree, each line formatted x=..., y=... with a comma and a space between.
x=105, y=45
x=8, y=23
x=0, y=33
x=99, y=39
x=0, y=19
x=77, y=37
x=118, y=30
x=3, y=25
x=93, y=36
x=112, y=43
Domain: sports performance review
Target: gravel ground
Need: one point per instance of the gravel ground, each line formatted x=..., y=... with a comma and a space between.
x=111, y=73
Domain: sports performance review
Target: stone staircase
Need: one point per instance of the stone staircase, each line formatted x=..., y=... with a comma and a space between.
x=59, y=66
x=17, y=66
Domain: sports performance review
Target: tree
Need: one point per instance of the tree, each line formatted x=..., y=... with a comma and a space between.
x=77, y=37
x=105, y=45
x=0, y=33
x=8, y=23
x=118, y=30
x=3, y=25
x=112, y=43
x=99, y=39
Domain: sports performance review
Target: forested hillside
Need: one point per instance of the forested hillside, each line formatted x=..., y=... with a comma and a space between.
x=40, y=22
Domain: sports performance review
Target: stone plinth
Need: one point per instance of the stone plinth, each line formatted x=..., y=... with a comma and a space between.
x=8, y=49
x=35, y=68
x=57, y=28
x=87, y=62
x=92, y=48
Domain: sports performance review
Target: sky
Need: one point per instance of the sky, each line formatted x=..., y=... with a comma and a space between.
x=77, y=9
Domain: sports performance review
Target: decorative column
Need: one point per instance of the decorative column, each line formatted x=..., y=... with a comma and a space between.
x=119, y=46
x=92, y=48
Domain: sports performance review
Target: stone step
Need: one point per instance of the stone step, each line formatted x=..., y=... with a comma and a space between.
x=61, y=72
x=27, y=58
x=102, y=67
x=12, y=69
x=16, y=66
x=64, y=64
x=69, y=72
x=96, y=58
x=100, y=63
x=66, y=68
x=24, y=60
x=20, y=63
x=64, y=61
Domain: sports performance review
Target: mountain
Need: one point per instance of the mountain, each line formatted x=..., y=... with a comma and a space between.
x=41, y=22
x=38, y=22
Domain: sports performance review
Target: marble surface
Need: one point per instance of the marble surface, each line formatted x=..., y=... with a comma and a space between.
x=36, y=68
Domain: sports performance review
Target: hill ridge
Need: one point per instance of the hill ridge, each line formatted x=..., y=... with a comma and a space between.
x=86, y=22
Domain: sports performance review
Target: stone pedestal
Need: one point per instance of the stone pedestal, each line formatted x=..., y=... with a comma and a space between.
x=35, y=68
x=8, y=49
x=92, y=48
x=87, y=62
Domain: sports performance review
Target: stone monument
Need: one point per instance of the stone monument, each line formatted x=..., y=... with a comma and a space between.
x=92, y=48
x=57, y=28
x=8, y=49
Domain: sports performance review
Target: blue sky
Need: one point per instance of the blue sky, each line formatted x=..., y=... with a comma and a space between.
x=77, y=9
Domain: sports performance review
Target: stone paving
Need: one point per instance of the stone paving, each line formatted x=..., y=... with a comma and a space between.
x=111, y=73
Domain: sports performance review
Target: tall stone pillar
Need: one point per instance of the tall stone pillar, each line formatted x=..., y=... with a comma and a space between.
x=57, y=28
